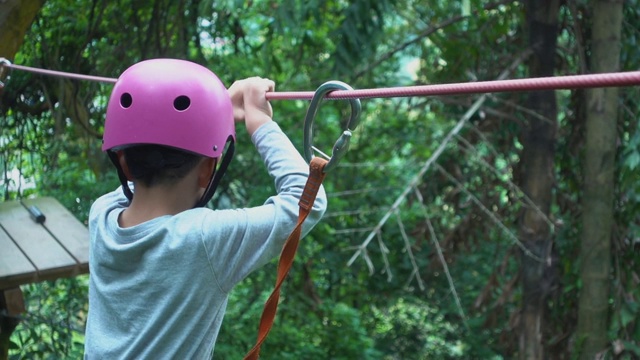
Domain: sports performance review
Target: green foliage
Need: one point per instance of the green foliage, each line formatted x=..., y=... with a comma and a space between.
x=301, y=331
x=54, y=322
x=395, y=299
x=413, y=330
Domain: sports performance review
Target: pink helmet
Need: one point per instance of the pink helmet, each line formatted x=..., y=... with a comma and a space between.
x=173, y=103
x=170, y=102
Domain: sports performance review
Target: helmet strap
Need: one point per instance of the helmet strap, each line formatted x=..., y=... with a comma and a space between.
x=123, y=178
x=218, y=174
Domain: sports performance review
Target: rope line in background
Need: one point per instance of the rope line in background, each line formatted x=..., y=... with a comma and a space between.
x=567, y=82
x=6, y=63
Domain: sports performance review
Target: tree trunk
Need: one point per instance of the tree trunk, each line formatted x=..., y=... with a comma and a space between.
x=599, y=183
x=538, y=139
x=16, y=17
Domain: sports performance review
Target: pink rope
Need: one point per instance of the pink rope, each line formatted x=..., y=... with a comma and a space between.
x=59, y=73
x=533, y=84
x=618, y=79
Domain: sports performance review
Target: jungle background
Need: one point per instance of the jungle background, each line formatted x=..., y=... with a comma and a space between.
x=491, y=226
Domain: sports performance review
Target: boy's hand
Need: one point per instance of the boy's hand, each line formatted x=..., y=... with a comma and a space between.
x=250, y=103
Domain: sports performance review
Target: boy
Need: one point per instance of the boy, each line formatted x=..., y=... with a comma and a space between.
x=161, y=269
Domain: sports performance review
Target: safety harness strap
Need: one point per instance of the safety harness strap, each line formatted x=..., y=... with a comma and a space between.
x=316, y=176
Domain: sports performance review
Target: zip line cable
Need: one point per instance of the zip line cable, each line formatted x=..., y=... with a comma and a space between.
x=6, y=63
x=566, y=82
x=531, y=84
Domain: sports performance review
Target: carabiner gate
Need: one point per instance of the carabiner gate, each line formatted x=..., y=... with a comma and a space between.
x=342, y=144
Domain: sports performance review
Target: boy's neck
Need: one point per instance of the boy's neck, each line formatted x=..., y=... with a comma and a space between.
x=152, y=202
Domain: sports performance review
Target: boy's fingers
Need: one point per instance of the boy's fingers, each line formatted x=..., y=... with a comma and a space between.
x=238, y=114
x=236, y=92
x=249, y=94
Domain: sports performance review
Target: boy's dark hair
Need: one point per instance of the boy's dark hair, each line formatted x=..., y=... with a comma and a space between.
x=156, y=164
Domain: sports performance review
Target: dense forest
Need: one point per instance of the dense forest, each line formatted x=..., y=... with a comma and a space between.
x=488, y=226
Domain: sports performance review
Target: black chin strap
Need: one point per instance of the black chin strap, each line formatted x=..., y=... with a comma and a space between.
x=218, y=174
x=123, y=179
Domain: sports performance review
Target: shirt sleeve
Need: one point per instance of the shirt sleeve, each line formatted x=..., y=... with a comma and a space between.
x=239, y=241
x=109, y=201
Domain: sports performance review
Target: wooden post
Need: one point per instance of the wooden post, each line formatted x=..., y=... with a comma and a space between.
x=11, y=306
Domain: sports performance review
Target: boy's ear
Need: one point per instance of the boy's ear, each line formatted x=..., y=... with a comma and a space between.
x=205, y=171
x=123, y=164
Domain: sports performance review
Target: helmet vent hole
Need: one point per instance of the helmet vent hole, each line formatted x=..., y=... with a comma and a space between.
x=181, y=103
x=126, y=100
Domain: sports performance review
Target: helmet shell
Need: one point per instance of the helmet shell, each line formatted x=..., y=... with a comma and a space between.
x=169, y=102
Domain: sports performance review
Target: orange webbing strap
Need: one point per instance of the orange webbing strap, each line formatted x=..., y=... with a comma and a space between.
x=316, y=175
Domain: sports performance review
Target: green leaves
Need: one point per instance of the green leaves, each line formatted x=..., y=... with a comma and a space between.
x=54, y=322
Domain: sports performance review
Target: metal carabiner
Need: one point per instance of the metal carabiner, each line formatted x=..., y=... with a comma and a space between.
x=342, y=144
x=3, y=63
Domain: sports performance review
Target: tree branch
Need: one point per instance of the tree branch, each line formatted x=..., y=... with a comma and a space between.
x=491, y=216
x=423, y=34
x=445, y=267
x=407, y=246
x=527, y=201
x=432, y=159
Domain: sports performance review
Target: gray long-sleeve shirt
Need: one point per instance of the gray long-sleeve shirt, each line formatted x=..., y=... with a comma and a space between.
x=159, y=290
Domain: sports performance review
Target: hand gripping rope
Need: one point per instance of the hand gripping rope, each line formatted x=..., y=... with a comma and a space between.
x=318, y=168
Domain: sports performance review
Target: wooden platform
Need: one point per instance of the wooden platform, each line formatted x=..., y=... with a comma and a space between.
x=32, y=252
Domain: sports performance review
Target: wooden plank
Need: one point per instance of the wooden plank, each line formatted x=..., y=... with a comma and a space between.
x=15, y=268
x=48, y=256
x=68, y=230
x=13, y=301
